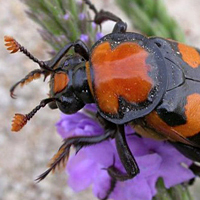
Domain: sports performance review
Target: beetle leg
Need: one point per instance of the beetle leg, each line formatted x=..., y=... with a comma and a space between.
x=195, y=169
x=102, y=16
x=126, y=158
x=192, y=153
x=189, y=151
x=124, y=152
x=81, y=48
x=106, y=124
x=35, y=74
x=78, y=142
x=113, y=182
x=120, y=27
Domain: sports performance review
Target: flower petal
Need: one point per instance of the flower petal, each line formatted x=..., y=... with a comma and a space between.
x=81, y=172
x=154, y=158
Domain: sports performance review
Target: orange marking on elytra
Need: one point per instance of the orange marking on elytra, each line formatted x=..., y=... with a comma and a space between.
x=191, y=128
x=60, y=82
x=121, y=71
x=190, y=55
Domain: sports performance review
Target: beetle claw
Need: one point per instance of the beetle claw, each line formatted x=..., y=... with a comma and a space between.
x=13, y=95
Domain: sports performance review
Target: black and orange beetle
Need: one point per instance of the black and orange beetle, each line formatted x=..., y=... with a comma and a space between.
x=149, y=82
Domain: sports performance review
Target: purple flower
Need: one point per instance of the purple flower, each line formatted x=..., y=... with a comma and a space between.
x=94, y=26
x=81, y=16
x=79, y=2
x=155, y=159
x=66, y=16
x=84, y=37
x=99, y=35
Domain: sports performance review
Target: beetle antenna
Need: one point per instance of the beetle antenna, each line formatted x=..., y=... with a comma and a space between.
x=13, y=46
x=20, y=120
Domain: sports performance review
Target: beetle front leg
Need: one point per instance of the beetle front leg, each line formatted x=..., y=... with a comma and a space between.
x=81, y=48
x=102, y=16
x=126, y=158
x=35, y=74
x=124, y=152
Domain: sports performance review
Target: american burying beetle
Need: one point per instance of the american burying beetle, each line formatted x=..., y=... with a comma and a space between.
x=149, y=82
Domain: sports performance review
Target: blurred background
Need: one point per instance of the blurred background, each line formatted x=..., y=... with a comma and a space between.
x=24, y=155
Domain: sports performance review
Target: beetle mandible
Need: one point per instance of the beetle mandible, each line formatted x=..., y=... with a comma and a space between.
x=149, y=82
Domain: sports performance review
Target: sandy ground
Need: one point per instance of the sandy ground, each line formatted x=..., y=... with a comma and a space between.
x=23, y=156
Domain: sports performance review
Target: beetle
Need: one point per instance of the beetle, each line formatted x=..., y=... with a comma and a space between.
x=151, y=83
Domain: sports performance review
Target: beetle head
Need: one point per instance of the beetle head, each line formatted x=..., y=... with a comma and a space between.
x=64, y=86
x=63, y=70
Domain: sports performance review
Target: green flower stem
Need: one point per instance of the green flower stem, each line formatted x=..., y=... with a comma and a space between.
x=73, y=10
x=59, y=20
x=178, y=192
x=151, y=18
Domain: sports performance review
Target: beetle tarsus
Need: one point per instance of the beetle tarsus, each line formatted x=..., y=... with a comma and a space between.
x=102, y=16
x=12, y=95
x=91, y=6
x=113, y=182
